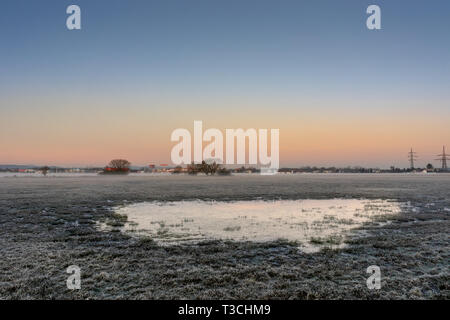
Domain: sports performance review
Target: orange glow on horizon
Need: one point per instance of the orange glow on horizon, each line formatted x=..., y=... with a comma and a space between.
x=142, y=135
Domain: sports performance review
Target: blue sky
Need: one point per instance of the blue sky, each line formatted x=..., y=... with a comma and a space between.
x=238, y=46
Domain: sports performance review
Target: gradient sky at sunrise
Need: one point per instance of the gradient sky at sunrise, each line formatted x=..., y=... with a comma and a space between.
x=339, y=93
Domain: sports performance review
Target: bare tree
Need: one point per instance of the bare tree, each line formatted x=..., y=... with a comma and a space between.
x=119, y=164
x=206, y=168
x=45, y=170
x=193, y=168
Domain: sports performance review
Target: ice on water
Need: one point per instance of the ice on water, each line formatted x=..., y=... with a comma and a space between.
x=311, y=223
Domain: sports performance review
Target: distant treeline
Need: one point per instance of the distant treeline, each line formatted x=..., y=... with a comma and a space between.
x=221, y=170
x=356, y=169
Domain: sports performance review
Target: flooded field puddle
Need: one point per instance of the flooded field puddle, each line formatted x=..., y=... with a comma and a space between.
x=313, y=224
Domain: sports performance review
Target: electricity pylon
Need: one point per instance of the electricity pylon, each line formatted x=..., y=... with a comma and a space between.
x=412, y=156
x=443, y=158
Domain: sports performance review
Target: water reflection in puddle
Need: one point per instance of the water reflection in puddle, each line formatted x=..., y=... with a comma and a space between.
x=311, y=223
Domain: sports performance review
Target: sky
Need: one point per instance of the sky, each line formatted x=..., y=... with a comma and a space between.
x=339, y=93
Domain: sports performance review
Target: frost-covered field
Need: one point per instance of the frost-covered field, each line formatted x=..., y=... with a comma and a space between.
x=49, y=175
x=50, y=223
x=66, y=174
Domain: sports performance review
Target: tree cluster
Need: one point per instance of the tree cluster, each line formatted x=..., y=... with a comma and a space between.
x=207, y=168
